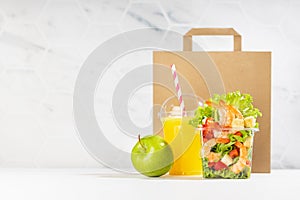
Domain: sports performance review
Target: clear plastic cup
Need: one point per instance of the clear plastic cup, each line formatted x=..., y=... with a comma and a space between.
x=182, y=137
x=227, y=152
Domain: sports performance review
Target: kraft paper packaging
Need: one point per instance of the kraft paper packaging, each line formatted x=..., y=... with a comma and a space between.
x=246, y=71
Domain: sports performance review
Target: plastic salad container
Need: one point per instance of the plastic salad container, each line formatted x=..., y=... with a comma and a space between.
x=227, y=124
x=227, y=152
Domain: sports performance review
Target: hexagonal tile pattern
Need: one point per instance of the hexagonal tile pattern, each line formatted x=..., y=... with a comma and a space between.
x=1, y=161
x=181, y=29
x=174, y=32
x=62, y=152
x=289, y=25
x=283, y=136
x=144, y=15
x=290, y=158
x=63, y=22
x=180, y=12
x=64, y=52
x=1, y=22
x=276, y=164
x=203, y=43
x=206, y=43
x=104, y=12
x=21, y=91
x=27, y=10
x=215, y=17
x=94, y=37
x=1, y=67
x=55, y=115
x=21, y=45
x=285, y=62
x=58, y=71
x=269, y=13
x=280, y=142
x=286, y=96
x=2, y=119
x=265, y=39
x=141, y=98
x=21, y=139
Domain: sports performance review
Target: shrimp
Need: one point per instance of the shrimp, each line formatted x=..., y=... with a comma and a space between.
x=235, y=111
x=242, y=162
x=208, y=145
x=230, y=113
x=229, y=118
x=227, y=112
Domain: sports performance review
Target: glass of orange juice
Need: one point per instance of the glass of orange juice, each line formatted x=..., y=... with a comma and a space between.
x=182, y=137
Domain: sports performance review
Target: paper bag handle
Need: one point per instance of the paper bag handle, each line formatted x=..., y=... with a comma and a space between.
x=187, y=38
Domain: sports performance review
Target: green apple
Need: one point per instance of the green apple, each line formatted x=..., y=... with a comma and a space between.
x=152, y=156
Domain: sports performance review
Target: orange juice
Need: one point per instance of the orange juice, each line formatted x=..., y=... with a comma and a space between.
x=185, y=143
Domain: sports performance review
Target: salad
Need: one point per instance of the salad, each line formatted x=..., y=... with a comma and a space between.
x=227, y=123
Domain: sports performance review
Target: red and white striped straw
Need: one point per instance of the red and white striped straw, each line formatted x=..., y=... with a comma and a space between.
x=178, y=88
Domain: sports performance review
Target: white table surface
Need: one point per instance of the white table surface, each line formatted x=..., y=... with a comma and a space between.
x=90, y=184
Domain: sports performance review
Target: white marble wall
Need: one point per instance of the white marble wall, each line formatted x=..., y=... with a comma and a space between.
x=44, y=42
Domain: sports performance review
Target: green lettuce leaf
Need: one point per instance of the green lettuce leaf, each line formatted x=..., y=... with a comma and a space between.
x=243, y=102
x=202, y=113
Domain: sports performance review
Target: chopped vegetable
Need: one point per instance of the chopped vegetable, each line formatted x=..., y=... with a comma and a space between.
x=220, y=165
x=223, y=140
x=238, y=144
x=233, y=153
x=238, y=134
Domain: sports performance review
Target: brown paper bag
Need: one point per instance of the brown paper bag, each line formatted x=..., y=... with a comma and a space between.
x=248, y=72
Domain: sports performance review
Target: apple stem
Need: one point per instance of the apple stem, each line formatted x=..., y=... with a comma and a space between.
x=139, y=137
